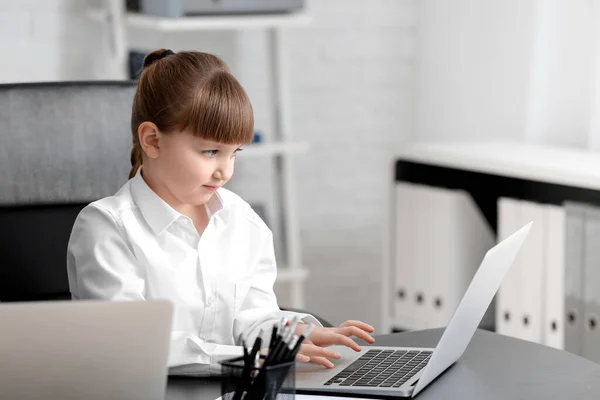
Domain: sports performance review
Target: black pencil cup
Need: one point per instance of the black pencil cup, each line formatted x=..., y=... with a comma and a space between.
x=275, y=382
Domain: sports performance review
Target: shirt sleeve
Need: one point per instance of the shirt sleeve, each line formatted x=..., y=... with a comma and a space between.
x=259, y=310
x=101, y=266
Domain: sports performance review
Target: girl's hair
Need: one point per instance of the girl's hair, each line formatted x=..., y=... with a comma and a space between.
x=190, y=91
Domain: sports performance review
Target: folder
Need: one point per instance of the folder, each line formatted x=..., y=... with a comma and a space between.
x=440, y=237
x=438, y=253
x=404, y=263
x=426, y=242
x=532, y=260
x=474, y=238
x=452, y=237
x=589, y=326
x=508, y=301
x=554, y=304
x=573, y=284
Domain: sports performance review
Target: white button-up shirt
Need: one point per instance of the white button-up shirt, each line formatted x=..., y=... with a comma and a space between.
x=134, y=246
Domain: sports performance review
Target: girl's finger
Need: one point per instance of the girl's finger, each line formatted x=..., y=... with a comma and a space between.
x=302, y=358
x=322, y=361
x=316, y=351
x=338, y=338
x=359, y=333
x=358, y=324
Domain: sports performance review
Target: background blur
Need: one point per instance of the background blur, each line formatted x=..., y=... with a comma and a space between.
x=365, y=78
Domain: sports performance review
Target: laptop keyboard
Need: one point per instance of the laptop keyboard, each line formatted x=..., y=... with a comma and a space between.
x=382, y=368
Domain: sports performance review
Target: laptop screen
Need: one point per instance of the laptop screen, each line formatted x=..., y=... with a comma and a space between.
x=33, y=251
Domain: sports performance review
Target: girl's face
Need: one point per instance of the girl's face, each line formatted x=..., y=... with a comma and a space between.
x=188, y=170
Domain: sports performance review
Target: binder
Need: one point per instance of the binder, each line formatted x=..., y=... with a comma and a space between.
x=573, y=284
x=426, y=245
x=439, y=253
x=451, y=238
x=532, y=260
x=474, y=239
x=440, y=237
x=554, y=307
x=404, y=263
x=591, y=286
x=508, y=301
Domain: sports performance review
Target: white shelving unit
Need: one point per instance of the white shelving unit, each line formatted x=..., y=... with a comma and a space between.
x=235, y=22
x=124, y=25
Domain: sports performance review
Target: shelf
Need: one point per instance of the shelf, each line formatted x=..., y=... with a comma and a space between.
x=198, y=23
x=271, y=149
x=186, y=24
x=552, y=164
x=289, y=275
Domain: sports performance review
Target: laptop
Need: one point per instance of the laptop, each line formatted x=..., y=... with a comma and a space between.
x=406, y=371
x=93, y=350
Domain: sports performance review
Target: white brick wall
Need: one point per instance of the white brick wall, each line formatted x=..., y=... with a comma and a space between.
x=352, y=96
x=370, y=45
x=352, y=72
x=521, y=70
x=48, y=40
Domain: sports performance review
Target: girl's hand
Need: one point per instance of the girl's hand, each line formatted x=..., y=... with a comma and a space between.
x=313, y=348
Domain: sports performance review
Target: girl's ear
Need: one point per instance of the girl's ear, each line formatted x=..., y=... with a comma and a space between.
x=149, y=137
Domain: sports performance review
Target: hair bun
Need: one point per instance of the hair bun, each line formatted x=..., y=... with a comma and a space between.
x=156, y=55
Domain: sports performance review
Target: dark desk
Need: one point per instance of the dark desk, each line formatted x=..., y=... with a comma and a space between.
x=493, y=367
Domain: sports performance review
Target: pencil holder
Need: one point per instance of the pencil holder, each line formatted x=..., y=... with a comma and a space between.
x=241, y=382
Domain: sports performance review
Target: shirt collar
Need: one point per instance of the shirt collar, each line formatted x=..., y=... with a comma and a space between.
x=157, y=213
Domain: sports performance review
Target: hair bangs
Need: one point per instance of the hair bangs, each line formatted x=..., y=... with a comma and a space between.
x=220, y=111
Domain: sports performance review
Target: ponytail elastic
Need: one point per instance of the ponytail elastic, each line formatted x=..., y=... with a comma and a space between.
x=153, y=57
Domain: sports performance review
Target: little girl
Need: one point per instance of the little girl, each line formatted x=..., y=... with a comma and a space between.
x=173, y=232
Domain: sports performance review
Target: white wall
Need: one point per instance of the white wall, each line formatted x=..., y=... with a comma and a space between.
x=525, y=70
x=563, y=72
x=353, y=92
x=473, y=66
x=353, y=83
x=51, y=40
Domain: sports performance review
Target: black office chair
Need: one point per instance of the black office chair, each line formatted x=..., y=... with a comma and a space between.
x=62, y=145
x=33, y=248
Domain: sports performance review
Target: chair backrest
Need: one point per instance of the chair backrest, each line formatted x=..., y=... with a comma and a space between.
x=62, y=145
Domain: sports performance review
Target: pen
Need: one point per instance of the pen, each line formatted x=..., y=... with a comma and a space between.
x=281, y=352
x=249, y=365
x=301, y=338
x=289, y=331
x=283, y=328
x=246, y=355
x=283, y=323
x=293, y=327
x=277, y=351
x=274, y=333
x=276, y=340
x=289, y=349
x=256, y=348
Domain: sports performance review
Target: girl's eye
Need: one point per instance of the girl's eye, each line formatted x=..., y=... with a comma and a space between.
x=210, y=153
